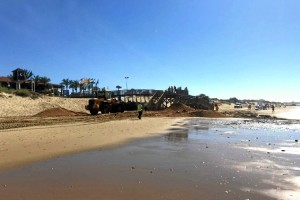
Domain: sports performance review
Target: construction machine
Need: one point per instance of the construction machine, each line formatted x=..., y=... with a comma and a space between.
x=104, y=103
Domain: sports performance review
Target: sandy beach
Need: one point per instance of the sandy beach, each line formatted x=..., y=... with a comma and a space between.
x=171, y=154
x=190, y=158
x=60, y=126
x=25, y=145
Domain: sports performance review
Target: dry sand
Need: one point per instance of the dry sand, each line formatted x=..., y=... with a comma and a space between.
x=30, y=144
x=12, y=105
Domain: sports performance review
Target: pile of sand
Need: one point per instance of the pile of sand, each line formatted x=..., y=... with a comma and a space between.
x=56, y=112
x=12, y=105
x=183, y=110
x=180, y=107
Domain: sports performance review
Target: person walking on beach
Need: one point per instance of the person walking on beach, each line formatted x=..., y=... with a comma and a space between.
x=216, y=107
x=139, y=110
x=273, y=108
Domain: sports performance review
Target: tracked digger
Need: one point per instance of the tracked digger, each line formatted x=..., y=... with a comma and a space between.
x=104, y=103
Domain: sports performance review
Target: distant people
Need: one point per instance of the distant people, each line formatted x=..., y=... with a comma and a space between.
x=139, y=110
x=216, y=107
x=249, y=106
x=273, y=108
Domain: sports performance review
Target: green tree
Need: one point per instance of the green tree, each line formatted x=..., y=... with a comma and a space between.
x=28, y=74
x=91, y=85
x=81, y=87
x=74, y=84
x=65, y=83
x=118, y=87
x=41, y=80
x=45, y=80
x=37, y=79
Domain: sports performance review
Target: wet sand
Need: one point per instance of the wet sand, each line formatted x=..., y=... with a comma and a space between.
x=25, y=145
x=197, y=159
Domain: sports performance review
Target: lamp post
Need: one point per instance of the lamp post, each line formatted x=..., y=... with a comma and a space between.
x=126, y=77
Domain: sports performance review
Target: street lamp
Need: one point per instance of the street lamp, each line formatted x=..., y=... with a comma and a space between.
x=126, y=77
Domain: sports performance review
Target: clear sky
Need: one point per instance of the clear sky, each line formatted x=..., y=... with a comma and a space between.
x=249, y=49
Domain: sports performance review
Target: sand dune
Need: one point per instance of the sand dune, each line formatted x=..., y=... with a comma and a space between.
x=12, y=105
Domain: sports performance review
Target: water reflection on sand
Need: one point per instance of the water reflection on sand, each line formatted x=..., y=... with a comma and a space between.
x=198, y=159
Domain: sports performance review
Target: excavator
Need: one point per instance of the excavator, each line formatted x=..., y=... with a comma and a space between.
x=104, y=103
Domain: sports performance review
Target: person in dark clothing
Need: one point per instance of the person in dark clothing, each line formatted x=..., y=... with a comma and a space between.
x=139, y=110
x=273, y=108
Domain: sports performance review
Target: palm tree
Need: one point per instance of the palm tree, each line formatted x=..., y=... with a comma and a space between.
x=118, y=87
x=41, y=80
x=28, y=74
x=66, y=83
x=74, y=84
x=45, y=80
x=118, y=92
x=37, y=79
x=91, y=84
x=81, y=87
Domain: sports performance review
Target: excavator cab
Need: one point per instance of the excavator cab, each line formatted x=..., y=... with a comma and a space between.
x=105, y=94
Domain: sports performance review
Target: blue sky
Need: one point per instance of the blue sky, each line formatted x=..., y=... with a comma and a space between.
x=222, y=48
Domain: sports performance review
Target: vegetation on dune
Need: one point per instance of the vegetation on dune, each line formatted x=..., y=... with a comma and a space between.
x=21, y=92
x=5, y=90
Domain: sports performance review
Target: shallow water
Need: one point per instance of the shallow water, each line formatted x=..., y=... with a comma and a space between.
x=197, y=159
